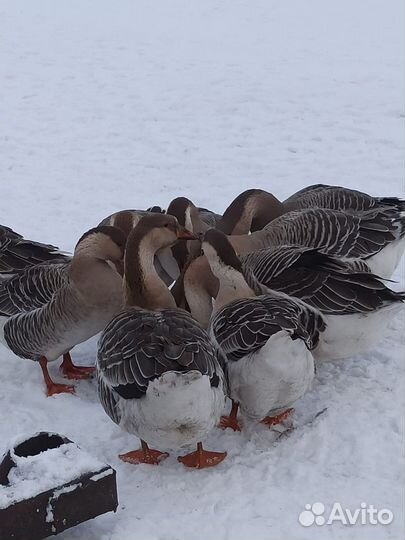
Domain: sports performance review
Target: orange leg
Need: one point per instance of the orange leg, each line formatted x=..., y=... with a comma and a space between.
x=144, y=455
x=231, y=421
x=274, y=420
x=70, y=371
x=201, y=459
x=52, y=387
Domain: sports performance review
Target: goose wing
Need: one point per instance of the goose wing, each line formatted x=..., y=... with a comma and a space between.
x=138, y=346
x=17, y=253
x=333, y=197
x=333, y=286
x=244, y=326
x=30, y=334
x=334, y=232
x=32, y=288
x=340, y=198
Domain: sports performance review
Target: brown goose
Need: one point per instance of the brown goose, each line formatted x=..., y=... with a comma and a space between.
x=159, y=375
x=88, y=293
x=165, y=263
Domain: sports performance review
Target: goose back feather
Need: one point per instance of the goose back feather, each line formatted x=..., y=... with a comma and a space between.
x=244, y=326
x=18, y=253
x=139, y=346
x=336, y=233
x=333, y=286
x=340, y=198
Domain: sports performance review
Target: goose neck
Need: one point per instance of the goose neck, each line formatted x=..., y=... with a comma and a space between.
x=200, y=287
x=143, y=286
x=250, y=211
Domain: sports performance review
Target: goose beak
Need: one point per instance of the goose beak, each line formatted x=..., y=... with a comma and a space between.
x=184, y=234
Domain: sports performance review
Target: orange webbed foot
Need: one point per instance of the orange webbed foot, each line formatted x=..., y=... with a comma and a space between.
x=279, y=419
x=145, y=455
x=201, y=459
x=55, y=388
x=231, y=421
x=70, y=371
x=79, y=372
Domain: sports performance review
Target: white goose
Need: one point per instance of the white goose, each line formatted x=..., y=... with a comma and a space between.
x=356, y=305
x=267, y=340
x=86, y=297
x=159, y=375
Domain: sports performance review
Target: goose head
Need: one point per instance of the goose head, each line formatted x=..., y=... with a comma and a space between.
x=250, y=211
x=105, y=242
x=188, y=216
x=160, y=231
x=220, y=253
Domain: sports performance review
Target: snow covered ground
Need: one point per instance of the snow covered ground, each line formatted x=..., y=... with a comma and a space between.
x=108, y=105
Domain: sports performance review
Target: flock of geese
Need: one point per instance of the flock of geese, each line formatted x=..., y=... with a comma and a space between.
x=194, y=307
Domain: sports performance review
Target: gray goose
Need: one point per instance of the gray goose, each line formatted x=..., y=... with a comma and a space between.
x=384, y=218
x=18, y=253
x=267, y=340
x=159, y=374
x=356, y=305
x=255, y=208
x=370, y=236
x=88, y=294
x=375, y=235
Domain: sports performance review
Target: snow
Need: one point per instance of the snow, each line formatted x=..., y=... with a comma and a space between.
x=46, y=470
x=110, y=105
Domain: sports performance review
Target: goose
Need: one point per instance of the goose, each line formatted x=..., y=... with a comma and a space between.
x=256, y=209
x=369, y=236
x=18, y=253
x=33, y=287
x=159, y=374
x=165, y=263
x=252, y=209
x=373, y=235
x=267, y=340
x=87, y=297
x=356, y=305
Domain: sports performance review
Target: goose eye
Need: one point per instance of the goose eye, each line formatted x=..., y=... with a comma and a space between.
x=202, y=252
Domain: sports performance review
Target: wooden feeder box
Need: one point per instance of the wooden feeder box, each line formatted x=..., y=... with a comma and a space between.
x=32, y=509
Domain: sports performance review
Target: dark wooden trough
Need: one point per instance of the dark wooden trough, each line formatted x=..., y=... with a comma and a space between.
x=49, y=512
